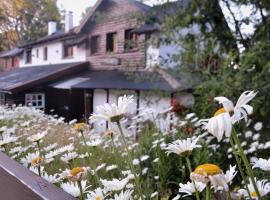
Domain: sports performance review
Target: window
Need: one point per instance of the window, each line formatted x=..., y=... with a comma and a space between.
x=111, y=42
x=2, y=99
x=45, y=53
x=29, y=56
x=36, y=100
x=130, y=39
x=68, y=51
x=94, y=44
x=37, y=53
x=13, y=62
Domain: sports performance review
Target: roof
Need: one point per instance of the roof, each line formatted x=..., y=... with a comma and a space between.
x=60, y=34
x=115, y=79
x=146, y=28
x=140, y=6
x=24, y=78
x=11, y=53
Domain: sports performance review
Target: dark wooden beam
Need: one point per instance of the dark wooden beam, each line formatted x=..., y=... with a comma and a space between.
x=19, y=183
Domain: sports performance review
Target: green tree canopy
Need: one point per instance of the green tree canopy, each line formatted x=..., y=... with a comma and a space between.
x=25, y=20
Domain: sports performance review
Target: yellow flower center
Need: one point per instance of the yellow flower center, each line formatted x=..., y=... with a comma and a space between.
x=98, y=198
x=37, y=160
x=208, y=169
x=76, y=170
x=79, y=126
x=219, y=111
x=254, y=194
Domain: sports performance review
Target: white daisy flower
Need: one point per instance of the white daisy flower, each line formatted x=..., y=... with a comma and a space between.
x=190, y=188
x=182, y=147
x=124, y=195
x=69, y=156
x=225, y=117
x=114, y=112
x=258, y=126
x=73, y=188
x=262, y=185
x=98, y=194
x=28, y=158
x=115, y=184
x=144, y=158
x=136, y=161
x=230, y=174
x=100, y=167
x=241, y=110
x=7, y=138
x=219, y=125
x=76, y=174
x=262, y=164
x=248, y=134
x=94, y=142
x=206, y=173
x=37, y=137
x=50, y=178
x=111, y=167
x=153, y=195
x=50, y=147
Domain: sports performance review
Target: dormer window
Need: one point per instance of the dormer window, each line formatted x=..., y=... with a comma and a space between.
x=131, y=40
x=111, y=40
x=68, y=51
x=95, y=44
x=28, y=56
x=45, y=53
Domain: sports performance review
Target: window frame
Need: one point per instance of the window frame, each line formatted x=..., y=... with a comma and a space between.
x=45, y=53
x=29, y=100
x=65, y=50
x=131, y=40
x=97, y=43
x=114, y=42
x=28, y=56
x=2, y=99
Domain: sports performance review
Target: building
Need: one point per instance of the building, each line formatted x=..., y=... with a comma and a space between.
x=72, y=71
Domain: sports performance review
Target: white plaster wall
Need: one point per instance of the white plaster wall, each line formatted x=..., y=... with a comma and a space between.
x=55, y=55
x=159, y=102
x=100, y=98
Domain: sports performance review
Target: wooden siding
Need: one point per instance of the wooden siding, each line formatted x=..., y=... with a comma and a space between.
x=115, y=17
x=10, y=63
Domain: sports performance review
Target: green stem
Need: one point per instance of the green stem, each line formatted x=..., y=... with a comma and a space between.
x=39, y=171
x=81, y=190
x=208, y=192
x=39, y=149
x=246, y=162
x=190, y=171
x=239, y=166
x=137, y=181
x=91, y=164
x=229, y=195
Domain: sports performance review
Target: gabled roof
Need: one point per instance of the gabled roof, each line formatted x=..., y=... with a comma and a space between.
x=28, y=77
x=11, y=53
x=141, y=6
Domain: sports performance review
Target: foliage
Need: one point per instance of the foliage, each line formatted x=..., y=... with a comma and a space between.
x=25, y=20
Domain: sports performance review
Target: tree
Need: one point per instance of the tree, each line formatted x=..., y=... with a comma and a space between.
x=25, y=20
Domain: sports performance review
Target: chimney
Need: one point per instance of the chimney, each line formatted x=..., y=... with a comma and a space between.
x=51, y=27
x=68, y=21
